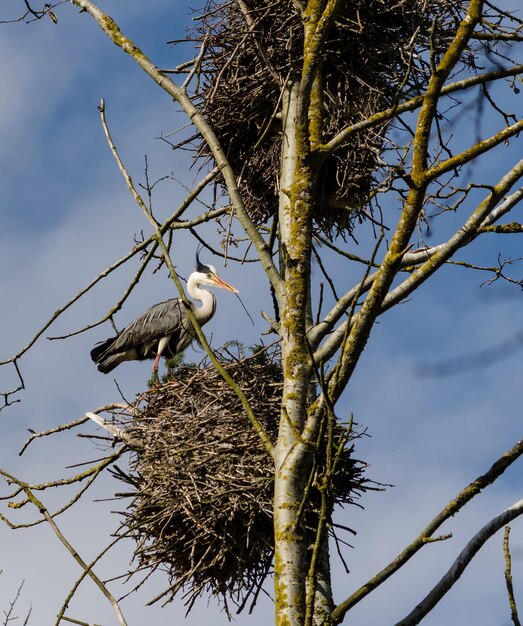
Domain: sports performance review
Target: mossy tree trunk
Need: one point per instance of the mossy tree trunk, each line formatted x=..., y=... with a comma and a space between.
x=302, y=116
x=292, y=458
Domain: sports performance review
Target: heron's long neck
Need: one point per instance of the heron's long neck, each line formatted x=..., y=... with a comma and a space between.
x=204, y=312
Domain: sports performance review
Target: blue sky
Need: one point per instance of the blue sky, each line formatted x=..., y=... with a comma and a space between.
x=66, y=215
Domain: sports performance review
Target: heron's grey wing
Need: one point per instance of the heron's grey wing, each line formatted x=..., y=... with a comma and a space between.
x=162, y=319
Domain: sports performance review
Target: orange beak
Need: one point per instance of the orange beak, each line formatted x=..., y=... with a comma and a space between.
x=218, y=282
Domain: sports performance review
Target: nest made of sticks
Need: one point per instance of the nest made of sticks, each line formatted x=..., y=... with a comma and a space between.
x=375, y=52
x=203, y=483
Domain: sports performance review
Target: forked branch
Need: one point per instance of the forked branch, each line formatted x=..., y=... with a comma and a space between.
x=29, y=493
x=455, y=505
x=458, y=567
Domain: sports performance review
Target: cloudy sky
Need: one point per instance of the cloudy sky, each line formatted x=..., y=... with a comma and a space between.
x=65, y=215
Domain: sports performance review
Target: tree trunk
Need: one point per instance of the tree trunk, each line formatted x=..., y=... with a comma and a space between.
x=292, y=453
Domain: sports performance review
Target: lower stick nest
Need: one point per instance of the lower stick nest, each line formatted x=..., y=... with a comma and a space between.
x=203, y=482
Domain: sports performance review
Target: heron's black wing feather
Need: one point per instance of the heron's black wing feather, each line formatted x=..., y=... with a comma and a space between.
x=162, y=319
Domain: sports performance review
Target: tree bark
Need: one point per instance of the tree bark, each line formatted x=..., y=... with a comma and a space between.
x=291, y=458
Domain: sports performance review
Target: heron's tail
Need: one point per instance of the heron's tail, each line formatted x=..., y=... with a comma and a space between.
x=108, y=364
x=99, y=355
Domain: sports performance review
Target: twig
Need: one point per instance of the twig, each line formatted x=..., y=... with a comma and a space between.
x=415, y=103
x=61, y=614
x=90, y=474
x=81, y=562
x=68, y=426
x=71, y=620
x=508, y=578
x=115, y=431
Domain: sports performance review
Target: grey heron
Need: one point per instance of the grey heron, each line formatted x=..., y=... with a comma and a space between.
x=164, y=329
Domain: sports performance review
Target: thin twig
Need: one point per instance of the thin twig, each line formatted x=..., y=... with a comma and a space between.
x=114, y=430
x=508, y=578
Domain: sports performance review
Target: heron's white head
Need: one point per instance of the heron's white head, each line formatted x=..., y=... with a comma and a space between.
x=207, y=275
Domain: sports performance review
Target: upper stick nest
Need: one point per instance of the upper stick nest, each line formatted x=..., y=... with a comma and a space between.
x=375, y=54
x=203, y=482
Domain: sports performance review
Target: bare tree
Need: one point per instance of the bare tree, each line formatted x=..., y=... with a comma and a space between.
x=314, y=122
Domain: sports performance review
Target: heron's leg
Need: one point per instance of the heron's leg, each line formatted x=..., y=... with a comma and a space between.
x=162, y=344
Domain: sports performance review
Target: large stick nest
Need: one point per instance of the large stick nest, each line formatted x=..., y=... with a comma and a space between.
x=203, y=482
x=376, y=53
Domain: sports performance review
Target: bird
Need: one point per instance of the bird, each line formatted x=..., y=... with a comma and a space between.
x=165, y=328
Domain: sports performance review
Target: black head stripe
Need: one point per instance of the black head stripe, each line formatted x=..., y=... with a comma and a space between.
x=200, y=267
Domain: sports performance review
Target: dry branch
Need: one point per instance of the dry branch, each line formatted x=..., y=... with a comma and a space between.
x=452, y=508
x=448, y=580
